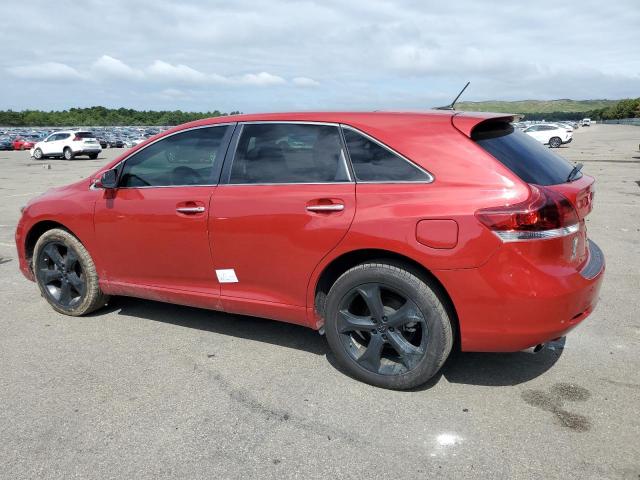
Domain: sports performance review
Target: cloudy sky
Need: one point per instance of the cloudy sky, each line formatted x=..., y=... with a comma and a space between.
x=270, y=55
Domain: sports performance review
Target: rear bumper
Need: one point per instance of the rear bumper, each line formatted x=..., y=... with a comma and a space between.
x=568, y=141
x=86, y=149
x=510, y=303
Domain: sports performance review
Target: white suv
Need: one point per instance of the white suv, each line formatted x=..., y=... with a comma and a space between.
x=548, y=134
x=67, y=144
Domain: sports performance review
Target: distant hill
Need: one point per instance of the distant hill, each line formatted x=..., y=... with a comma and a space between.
x=536, y=106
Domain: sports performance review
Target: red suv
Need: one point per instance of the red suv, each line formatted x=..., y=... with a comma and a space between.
x=398, y=235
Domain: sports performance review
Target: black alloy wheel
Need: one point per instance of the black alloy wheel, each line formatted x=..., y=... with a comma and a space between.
x=382, y=329
x=387, y=325
x=60, y=272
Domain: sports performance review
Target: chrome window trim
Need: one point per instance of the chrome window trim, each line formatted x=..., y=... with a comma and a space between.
x=430, y=176
x=226, y=124
x=276, y=184
x=344, y=155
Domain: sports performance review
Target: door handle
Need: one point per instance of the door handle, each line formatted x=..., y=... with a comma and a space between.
x=334, y=207
x=190, y=209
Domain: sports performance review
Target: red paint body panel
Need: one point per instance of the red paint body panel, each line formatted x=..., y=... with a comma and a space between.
x=266, y=234
x=142, y=239
x=507, y=296
x=512, y=302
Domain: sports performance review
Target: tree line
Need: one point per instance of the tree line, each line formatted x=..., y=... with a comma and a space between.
x=627, y=108
x=93, y=116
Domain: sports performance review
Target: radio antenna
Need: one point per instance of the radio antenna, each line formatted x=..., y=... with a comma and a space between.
x=452, y=104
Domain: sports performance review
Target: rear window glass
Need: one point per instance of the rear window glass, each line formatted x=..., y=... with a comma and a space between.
x=520, y=153
x=85, y=135
x=374, y=163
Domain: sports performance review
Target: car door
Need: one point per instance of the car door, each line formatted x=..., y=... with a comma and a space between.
x=48, y=144
x=535, y=132
x=286, y=199
x=152, y=230
x=58, y=144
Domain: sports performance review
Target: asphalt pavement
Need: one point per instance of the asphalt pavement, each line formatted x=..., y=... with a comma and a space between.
x=148, y=390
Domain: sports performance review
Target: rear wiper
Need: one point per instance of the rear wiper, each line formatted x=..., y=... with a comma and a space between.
x=574, y=172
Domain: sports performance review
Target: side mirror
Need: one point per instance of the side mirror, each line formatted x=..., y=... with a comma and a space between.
x=108, y=180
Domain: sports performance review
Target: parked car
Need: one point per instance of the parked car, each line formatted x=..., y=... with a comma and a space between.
x=396, y=235
x=115, y=143
x=566, y=126
x=131, y=142
x=549, y=134
x=6, y=143
x=586, y=122
x=22, y=143
x=67, y=144
x=103, y=143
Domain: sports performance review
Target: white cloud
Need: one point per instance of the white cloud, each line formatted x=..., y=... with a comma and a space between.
x=46, y=71
x=387, y=57
x=305, y=82
x=261, y=79
x=174, y=94
x=112, y=67
x=175, y=73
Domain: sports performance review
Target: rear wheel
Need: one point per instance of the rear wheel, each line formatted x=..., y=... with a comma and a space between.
x=37, y=154
x=555, y=142
x=67, y=153
x=386, y=326
x=93, y=156
x=66, y=275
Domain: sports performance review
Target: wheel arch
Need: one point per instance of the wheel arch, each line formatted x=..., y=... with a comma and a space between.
x=347, y=260
x=37, y=230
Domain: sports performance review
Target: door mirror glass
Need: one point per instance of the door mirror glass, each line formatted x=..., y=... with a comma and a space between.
x=108, y=180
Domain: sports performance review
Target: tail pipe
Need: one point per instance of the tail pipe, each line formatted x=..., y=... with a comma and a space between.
x=535, y=349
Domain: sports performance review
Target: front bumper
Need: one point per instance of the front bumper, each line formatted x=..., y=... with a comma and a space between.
x=511, y=303
x=20, y=237
x=568, y=141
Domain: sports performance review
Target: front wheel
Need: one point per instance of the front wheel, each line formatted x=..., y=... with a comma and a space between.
x=67, y=153
x=386, y=326
x=37, y=154
x=66, y=274
x=555, y=142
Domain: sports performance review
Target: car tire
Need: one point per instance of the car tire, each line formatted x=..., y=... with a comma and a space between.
x=93, y=156
x=555, y=142
x=67, y=153
x=66, y=274
x=37, y=154
x=387, y=326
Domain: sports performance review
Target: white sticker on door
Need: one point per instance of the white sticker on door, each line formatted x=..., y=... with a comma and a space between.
x=227, y=275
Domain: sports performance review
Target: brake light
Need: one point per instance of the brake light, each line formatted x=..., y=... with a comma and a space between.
x=77, y=138
x=545, y=214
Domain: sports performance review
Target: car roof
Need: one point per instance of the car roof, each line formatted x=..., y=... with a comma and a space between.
x=345, y=117
x=465, y=121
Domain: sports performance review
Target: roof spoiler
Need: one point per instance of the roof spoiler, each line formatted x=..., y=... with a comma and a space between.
x=466, y=122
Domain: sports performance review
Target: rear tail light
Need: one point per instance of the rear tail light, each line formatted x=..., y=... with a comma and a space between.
x=77, y=138
x=545, y=214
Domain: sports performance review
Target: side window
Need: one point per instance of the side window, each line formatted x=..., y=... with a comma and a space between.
x=373, y=162
x=186, y=158
x=289, y=153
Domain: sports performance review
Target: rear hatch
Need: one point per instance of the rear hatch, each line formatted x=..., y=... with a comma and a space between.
x=560, y=200
x=87, y=138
